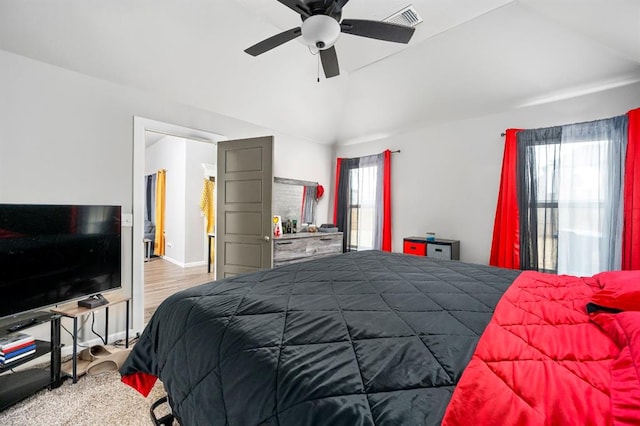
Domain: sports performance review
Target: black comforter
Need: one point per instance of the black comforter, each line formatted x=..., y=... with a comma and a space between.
x=355, y=339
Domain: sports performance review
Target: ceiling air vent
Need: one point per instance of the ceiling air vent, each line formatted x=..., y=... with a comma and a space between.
x=408, y=17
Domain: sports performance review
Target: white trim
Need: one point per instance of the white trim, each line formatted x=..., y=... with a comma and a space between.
x=140, y=126
x=182, y=264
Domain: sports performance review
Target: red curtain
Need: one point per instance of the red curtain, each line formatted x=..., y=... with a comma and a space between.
x=505, y=247
x=631, y=230
x=386, y=202
x=335, y=194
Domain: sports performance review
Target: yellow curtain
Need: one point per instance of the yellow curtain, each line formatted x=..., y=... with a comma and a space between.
x=158, y=246
x=208, y=210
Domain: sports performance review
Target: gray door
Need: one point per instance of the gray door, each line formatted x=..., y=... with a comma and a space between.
x=245, y=176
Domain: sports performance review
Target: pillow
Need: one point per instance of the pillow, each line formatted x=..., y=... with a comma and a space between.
x=618, y=290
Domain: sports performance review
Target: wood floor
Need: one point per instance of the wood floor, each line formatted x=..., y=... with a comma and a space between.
x=163, y=278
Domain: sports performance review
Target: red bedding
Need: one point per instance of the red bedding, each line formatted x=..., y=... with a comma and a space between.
x=543, y=360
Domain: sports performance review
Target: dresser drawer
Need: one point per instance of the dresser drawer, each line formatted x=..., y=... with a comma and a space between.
x=289, y=248
x=418, y=248
x=303, y=247
x=325, y=244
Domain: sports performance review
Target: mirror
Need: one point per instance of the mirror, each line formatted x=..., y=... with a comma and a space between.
x=295, y=200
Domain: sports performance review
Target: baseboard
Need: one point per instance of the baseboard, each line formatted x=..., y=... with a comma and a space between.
x=184, y=265
x=67, y=349
x=175, y=262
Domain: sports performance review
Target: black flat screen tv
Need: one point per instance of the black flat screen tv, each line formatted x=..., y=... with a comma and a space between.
x=51, y=254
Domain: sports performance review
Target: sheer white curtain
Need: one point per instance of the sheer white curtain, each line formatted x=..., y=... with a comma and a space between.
x=590, y=170
x=570, y=187
x=366, y=204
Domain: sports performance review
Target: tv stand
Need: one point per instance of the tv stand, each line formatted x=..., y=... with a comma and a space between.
x=15, y=386
x=74, y=311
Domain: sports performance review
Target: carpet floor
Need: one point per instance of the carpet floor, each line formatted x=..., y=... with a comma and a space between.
x=95, y=399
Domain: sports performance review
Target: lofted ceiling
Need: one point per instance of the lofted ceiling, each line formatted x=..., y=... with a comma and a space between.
x=468, y=58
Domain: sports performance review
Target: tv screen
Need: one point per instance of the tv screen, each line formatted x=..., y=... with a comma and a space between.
x=51, y=254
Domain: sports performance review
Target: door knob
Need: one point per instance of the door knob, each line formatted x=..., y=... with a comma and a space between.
x=266, y=238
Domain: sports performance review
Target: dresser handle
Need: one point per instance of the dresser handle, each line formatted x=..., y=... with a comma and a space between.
x=326, y=239
x=284, y=242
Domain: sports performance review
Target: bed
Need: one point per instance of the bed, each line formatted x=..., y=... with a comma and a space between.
x=375, y=338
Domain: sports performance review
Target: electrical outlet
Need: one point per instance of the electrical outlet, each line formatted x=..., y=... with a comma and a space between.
x=169, y=245
x=127, y=219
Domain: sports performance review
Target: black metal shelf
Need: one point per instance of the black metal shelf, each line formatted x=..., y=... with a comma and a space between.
x=29, y=320
x=15, y=386
x=42, y=348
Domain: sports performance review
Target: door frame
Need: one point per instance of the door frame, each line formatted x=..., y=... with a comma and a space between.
x=140, y=126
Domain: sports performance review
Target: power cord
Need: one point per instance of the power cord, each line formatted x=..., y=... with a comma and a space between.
x=71, y=334
x=119, y=342
x=93, y=321
x=132, y=341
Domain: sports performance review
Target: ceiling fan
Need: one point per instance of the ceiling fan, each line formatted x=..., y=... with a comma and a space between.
x=321, y=26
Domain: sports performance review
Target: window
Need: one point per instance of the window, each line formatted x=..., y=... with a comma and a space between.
x=571, y=204
x=570, y=196
x=363, y=202
x=362, y=208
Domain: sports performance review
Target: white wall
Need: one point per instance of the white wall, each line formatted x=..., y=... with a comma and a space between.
x=446, y=177
x=195, y=228
x=294, y=159
x=68, y=138
x=170, y=153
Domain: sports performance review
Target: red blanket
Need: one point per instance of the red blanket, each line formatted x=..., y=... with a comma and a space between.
x=542, y=361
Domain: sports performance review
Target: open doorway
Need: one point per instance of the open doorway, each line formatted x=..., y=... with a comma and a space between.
x=178, y=214
x=181, y=153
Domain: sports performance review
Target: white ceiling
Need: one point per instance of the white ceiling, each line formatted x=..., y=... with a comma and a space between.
x=468, y=58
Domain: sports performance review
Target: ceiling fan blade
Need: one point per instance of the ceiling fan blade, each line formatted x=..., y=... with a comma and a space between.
x=329, y=59
x=296, y=7
x=272, y=42
x=378, y=30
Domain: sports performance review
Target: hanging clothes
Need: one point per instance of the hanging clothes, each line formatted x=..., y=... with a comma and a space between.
x=208, y=210
x=158, y=246
x=206, y=205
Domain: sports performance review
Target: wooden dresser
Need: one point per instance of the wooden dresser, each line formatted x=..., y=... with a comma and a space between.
x=303, y=246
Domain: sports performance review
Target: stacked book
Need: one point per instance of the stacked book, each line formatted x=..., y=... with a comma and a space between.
x=15, y=347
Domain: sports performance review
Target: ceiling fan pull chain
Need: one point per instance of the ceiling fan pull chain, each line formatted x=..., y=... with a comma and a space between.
x=318, y=68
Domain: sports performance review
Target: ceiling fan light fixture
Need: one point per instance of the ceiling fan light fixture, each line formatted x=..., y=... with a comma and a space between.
x=320, y=31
